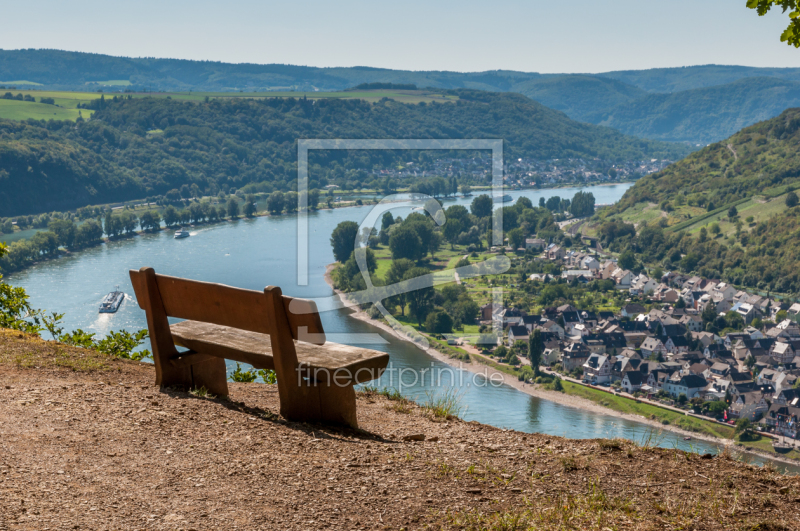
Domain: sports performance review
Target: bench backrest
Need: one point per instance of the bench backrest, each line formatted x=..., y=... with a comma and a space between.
x=228, y=306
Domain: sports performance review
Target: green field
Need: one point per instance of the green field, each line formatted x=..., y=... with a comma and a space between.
x=404, y=96
x=23, y=82
x=761, y=209
x=111, y=83
x=67, y=102
x=626, y=405
x=23, y=110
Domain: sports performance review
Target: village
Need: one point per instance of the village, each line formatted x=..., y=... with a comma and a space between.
x=526, y=172
x=662, y=346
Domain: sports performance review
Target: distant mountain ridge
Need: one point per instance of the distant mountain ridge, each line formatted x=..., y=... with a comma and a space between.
x=705, y=114
x=661, y=103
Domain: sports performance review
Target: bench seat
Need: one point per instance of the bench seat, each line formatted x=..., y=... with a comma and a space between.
x=345, y=363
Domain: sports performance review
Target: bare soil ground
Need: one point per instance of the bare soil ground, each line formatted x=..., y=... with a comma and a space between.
x=87, y=442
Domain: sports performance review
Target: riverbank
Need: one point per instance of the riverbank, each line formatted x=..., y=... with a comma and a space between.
x=90, y=443
x=563, y=398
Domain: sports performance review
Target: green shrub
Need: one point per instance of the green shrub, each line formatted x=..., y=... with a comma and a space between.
x=241, y=376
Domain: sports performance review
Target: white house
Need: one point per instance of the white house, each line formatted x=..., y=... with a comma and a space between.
x=552, y=326
x=590, y=263
x=535, y=243
x=690, y=385
x=597, y=369
x=643, y=285
x=633, y=381
x=623, y=278
x=517, y=333
x=653, y=345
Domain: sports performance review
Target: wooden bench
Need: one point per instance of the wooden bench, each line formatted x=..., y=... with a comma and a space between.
x=315, y=378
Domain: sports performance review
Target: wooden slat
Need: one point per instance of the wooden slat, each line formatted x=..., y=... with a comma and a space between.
x=229, y=306
x=351, y=364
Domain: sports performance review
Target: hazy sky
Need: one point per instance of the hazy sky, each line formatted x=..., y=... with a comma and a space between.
x=463, y=35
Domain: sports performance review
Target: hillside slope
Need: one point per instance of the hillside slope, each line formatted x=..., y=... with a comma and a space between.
x=73, y=70
x=694, y=77
x=578, y=96
x=617, y=99
x=758, y=244
x=90, y=443
x=233, y=143
x=701, y=115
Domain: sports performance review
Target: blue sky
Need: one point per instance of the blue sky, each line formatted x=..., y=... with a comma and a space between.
x=463, y=35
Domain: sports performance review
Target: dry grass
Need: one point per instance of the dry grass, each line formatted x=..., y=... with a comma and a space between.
x=84, y=450
x=30, y=352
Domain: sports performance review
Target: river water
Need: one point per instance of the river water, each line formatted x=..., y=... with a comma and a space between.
x=255, y=253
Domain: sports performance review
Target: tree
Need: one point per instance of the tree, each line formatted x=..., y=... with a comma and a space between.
x=250, y=206
x=405, y=243
x=732, y=212
x=791, y=199
x=501, y=352
x=582, y=204
x=150, y=220
x=420, y=299
x=516, y=238
x=535, y=350
x=742, y=425
x=682, y=398
x=343, y=240
x=557, y=385
x=233, y=208
x=715, y=228
x=171, y=216
x=313, y=199
x=481, y=206
x=627, y=260
x=438, y=322
x=387, y=220
x=90, y=232
x=791, y=35
x=290, y=202
x=716, y=407
x=657, y=273
x=709, y=313
x=395, y=275
x=275, y=202
x=65, y=230
x=452, y=230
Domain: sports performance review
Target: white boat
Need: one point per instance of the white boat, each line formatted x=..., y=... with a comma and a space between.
x=181, y=233
x=112, y=301
x=502, y=199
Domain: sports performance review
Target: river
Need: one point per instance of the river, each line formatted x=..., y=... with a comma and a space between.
x=262, y=251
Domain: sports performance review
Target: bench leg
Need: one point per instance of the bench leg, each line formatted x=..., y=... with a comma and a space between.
x=212, y=375
x=323, y=403
x=169, y=376
x=338, y=404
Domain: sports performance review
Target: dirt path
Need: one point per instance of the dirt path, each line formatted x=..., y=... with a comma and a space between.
x=102, y=448
x=735, y=155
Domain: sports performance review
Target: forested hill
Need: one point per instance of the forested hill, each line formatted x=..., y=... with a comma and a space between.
x=77, y=70
x=660, y=103
x=756, y=158
x=701, y=115
x=134, y=148
x=728, y=211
